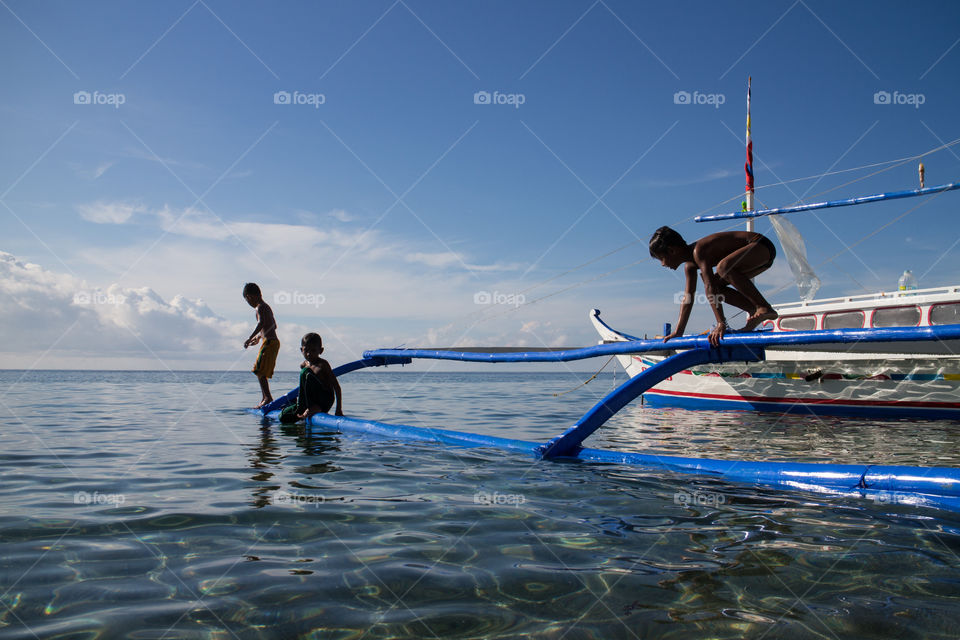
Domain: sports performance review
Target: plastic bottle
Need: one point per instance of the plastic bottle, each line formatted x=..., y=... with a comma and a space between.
x=908, y=282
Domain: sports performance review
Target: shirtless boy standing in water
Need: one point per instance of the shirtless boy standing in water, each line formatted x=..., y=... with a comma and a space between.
x=737, y=255
x=267, y=330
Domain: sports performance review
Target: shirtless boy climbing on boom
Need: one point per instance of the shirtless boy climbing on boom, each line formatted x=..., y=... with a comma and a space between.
x=737, y=256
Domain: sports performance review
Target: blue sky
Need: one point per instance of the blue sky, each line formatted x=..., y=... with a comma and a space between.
x=384, y=207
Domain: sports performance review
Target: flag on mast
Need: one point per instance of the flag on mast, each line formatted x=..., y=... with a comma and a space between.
x=748, y=166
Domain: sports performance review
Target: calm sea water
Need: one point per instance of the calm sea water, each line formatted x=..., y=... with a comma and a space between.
x=149, y=505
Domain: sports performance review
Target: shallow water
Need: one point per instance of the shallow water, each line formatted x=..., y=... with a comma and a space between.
x=149, y=505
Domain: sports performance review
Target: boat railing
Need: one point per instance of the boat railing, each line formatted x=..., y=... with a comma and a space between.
x=879, y=297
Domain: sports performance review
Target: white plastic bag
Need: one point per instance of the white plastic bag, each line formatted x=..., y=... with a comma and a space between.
x=796, y=251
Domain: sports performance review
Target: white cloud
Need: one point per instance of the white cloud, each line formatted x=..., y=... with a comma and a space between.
x=434, y=259
x=72, y=322
x=708, y=176
x=341, y=215
x=91, y=174
x=57, y=321
x=360, y=289
x=109, y=212
x=447, y=259
x=102, y=169
x=268, y=240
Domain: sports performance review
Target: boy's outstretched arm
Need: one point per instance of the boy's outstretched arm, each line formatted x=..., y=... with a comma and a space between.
x=714, y=286
x=254, y=337
x=336, y=388
x=689, y=290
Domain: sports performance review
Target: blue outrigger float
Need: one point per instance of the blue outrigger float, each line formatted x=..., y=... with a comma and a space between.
x=920, y=486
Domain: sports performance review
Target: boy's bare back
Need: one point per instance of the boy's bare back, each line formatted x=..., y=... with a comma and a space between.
x=266, y=320
x=710, y=250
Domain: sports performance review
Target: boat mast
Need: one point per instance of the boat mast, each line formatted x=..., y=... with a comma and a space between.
x=748, y=166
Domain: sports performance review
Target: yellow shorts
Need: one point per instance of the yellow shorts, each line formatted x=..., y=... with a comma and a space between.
x=267, y=358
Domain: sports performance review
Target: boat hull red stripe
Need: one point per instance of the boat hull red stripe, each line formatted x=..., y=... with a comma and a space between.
x=831, y=401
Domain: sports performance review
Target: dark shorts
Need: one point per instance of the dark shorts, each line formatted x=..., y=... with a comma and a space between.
x=764, y=241
x=312, y=392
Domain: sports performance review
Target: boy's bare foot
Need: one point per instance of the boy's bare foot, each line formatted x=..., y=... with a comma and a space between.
x=264, y=403
x=761, y=315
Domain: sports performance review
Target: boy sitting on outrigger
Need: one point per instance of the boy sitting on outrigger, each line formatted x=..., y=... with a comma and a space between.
x=737, y=255
x=318, y=385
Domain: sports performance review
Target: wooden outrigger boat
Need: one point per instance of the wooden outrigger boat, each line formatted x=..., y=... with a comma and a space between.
x=654, y=366
x=922, y=383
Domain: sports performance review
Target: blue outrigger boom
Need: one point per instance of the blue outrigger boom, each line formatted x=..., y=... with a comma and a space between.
x=847, y=202
x=925, y=486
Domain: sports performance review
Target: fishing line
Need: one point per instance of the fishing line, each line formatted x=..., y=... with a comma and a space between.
x=588, y=380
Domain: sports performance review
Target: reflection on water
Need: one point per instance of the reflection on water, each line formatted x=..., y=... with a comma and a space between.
x=131, y=510
x=737, y=435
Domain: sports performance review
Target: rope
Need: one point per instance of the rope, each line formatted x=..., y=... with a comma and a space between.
x=588, y=381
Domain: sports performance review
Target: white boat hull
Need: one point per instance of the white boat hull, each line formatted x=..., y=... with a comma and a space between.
x=879, y=384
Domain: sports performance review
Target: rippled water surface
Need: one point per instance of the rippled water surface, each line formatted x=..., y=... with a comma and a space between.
x=149, y=505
